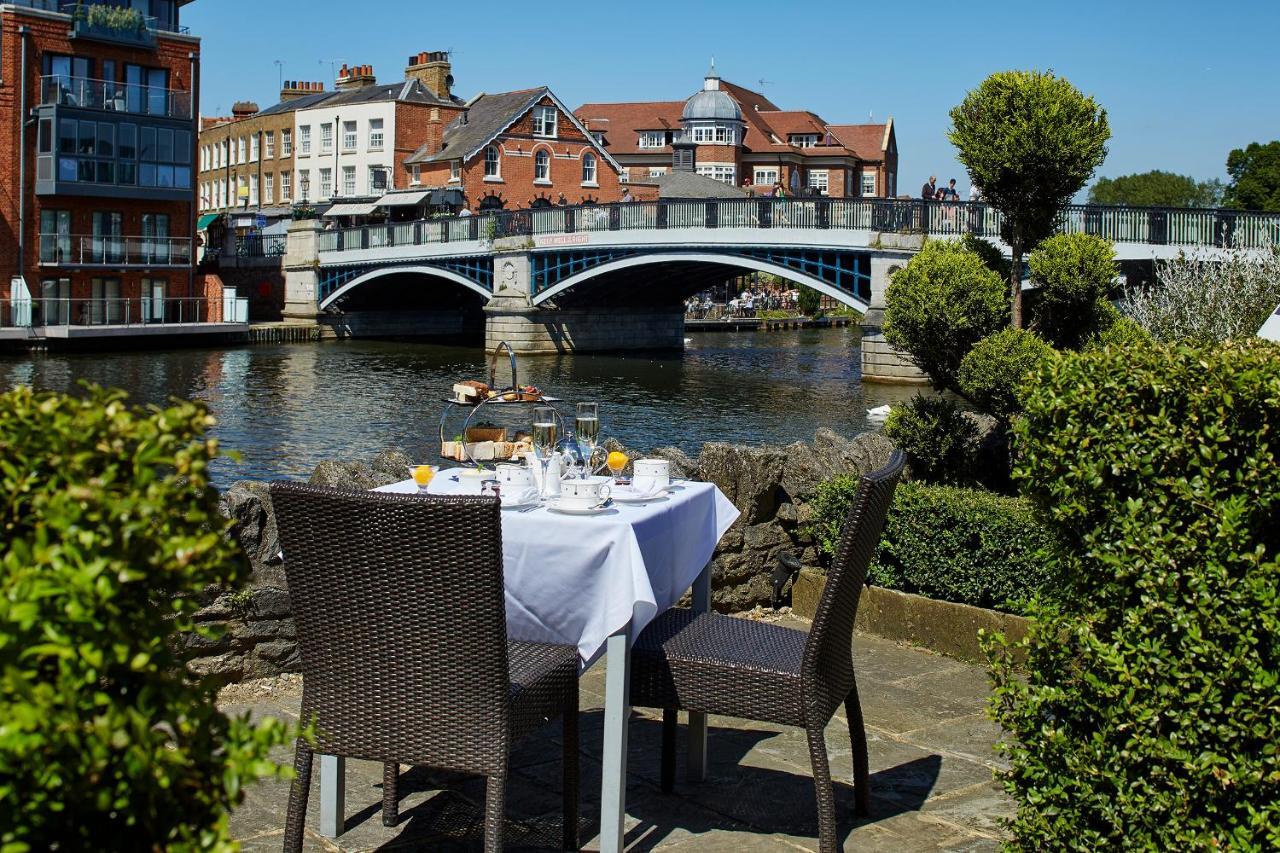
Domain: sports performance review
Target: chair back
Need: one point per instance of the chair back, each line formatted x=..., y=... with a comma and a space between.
x=401, y=623
x=828, y=656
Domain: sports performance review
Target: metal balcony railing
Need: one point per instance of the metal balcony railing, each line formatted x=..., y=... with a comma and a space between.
x=134, y=98
x=257, y=246
x=118, y=311
x=59, y=250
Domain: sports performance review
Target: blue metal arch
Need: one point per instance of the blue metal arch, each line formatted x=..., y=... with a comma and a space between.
x=475, y=268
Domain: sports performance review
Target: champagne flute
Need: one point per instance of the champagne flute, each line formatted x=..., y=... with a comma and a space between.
x=587, y=426
x=545, y=433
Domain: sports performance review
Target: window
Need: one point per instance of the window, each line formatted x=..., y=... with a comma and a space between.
x=868, y=183
x=720, y=172
x=326, y=183
x=286, y=143
x=286, y=185
x=348, y=180
x=544, y=121
x=542, y=167
x=655, y=171
x=717, y=133
x=377, y=180
x=253, y=148
x=765, y=177
x=653, y=139
x=55, y=236
x=304, y=184
x=348, y=136
x=375, y=134
x=269, y=144
x=155, y=231
x=243, y=149
x=326, y=138
x=415, y=174
x=253, y=190
x=803, y=140
x=268, y=188
x=818, y=181
x=455, y=170
x=589, y=168
x=492, y=168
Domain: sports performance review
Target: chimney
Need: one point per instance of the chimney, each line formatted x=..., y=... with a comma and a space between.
x=432, y=69
x=244, y=109
x=298, y=88
x=355, y=77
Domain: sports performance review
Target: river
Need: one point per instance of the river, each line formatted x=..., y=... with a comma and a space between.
x=286, y=407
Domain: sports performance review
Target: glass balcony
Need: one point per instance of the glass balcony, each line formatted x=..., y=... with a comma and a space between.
x=109, y=95
x=74, y=250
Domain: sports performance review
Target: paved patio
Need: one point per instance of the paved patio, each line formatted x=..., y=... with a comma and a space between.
x=931, y=751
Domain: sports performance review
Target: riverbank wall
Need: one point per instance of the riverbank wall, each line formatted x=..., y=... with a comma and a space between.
x=772, y=487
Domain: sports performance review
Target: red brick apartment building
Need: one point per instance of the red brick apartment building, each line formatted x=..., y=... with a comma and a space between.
x=97, y=138
x=738, y=136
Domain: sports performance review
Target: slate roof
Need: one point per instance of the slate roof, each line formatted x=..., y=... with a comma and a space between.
x=485, y=118
x=692, y=185
x=295, y=104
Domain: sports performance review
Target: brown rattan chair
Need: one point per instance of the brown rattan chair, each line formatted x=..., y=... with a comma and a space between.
x=402, y=633
x=720, y=665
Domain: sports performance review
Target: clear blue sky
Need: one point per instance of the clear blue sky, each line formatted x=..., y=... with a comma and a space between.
x=1183, y=82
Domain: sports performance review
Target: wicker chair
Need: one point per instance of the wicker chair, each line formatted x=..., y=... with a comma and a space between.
x=720, y=665
x=402, y=632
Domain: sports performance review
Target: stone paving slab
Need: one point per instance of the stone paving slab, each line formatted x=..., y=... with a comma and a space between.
x=931, y=753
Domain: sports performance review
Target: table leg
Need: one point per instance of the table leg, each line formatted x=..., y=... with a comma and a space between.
x=333, y=795
x=617, y=713
x=697, y=728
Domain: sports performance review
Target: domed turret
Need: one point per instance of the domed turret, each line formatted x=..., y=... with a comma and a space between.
x=712, y=103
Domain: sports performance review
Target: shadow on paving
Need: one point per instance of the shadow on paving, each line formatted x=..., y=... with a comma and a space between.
x=745, y=791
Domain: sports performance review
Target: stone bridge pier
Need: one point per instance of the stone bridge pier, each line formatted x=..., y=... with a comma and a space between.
x=530, y=328
x=882, y=362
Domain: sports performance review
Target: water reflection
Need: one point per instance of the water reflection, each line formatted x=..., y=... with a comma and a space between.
x=286, y=407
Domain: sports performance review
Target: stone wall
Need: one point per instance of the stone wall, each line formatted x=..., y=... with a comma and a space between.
x=770, y=485
x=548, y=331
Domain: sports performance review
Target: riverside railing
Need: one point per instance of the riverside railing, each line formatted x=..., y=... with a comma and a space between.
x=262, y=246
x=1152, y=225
x=115, y=311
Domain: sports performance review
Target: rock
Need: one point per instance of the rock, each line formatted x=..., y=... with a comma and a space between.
x=390, y=466
x=271, y=602
x=831, y=455
x=788, y=514
x=762, y=537
x=229, y=666
x=751, y=477
x=268, y=629
x=248, y=505
x=331, y=474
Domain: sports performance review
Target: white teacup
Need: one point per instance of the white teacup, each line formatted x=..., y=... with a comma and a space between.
x=516, y=478
x=650, y=475
x=586, y=493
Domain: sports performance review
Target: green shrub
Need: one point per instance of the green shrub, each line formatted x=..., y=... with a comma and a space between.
x=1148, y=716
x=1073, y=274
x=809, y=302
x=993, y=371
x=990, y=254
x=111, y=531
x=939, y=305
x=961, y=545
x=1121, y=332
x=934, y=433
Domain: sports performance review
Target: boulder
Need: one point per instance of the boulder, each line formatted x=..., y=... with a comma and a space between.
x=248, y=505
x=751, y=477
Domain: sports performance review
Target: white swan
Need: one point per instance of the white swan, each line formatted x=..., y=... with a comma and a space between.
x=879, y=414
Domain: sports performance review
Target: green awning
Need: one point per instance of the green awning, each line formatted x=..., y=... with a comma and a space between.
x=208, y=219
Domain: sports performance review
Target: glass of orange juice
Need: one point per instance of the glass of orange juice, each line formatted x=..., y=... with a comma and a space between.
x=422, y=475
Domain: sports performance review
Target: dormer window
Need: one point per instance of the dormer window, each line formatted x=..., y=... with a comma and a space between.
x=544, y=121
x=653, y=139
x=718, y=134
x=803, y=140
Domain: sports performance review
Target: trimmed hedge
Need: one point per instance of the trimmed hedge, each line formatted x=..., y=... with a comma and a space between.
x=938, y=439
x=1148, y=713
x=952, y=544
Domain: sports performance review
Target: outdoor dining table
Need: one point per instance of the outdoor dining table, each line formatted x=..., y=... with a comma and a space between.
x=594, y=582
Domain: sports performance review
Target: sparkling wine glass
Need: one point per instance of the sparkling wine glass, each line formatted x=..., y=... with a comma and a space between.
x=587, y=427
x=545, y=433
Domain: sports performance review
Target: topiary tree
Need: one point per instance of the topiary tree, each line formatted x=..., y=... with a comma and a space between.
x=1073, y=274
x=1148, y=716
x=940, y=441
x=810, y=301
x=1030, y=140
x=111, y=533
x=997, y=367
x=1122, y=332
x=939, y=305
x=990, y=254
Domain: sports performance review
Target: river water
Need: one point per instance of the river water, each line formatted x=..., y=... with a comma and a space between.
x=286, y=407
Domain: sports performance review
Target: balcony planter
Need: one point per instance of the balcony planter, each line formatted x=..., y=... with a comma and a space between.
x=115, y=24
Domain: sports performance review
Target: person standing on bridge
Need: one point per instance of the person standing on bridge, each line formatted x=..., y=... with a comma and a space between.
x=627, y=197
x=930, y=189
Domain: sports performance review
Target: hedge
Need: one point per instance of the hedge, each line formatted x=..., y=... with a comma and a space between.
x=952, y=544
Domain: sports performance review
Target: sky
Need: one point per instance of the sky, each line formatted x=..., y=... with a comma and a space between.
x=1182, y=82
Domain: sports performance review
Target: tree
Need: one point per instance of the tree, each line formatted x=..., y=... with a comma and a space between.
x=810, y=302
x=1255, y=177
x=1030, y=140
x=1157, y=189
x=993, y=372
x=1073, y=275
x=939, y=305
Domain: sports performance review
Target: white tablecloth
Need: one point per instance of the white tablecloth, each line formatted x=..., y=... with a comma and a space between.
x=578, y=579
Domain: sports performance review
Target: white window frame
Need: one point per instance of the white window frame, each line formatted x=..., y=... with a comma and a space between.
x=326, y=183
x=286, y=143
x=242, y=148
x=818, y=179
x=492, y=165
x=253, y=148
x=350, y=135
x=415, y=174
x=326, y=138
x=725, y=173
x=546, y=121
x=653, y=139
x=657, y=171
x=348, y=181
x=542, y=166
x=269, y=145
x=377, y=139
x=590, y=165
x=304, y=140
x=455, y=171
x=253, y=190
x=286, y=185
x=764, y=175
x=803, y=140
x=374, y=171
x=867, y=185
x=269, y=188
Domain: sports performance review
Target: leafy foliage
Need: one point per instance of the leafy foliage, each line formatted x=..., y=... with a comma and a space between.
x=990, y=254
x=960, y=545
x=996, y=368
x=110, y=533
x=939, y=305
x=1030, y=140
x=936, y=436
x=1156, y=189
x=1255, y=177
x=1148, y=716
x=1122, y=332
x=810, y=301
x=1198, y=299
x=1073, y=274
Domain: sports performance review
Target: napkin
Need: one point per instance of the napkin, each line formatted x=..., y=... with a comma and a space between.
x=645, y=487
x=525, y=496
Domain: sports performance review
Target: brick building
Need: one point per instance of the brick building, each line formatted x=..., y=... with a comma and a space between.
x=740, y=137
x=97, y=199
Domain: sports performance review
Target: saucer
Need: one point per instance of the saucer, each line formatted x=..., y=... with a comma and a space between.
x=556, y=506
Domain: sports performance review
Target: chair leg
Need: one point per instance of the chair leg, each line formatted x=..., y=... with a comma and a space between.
x=822, y=788
x=571, y=775
x=858, y=740
x=296, y=817
x=495, y=812
x=668, y=750
x=390, y=793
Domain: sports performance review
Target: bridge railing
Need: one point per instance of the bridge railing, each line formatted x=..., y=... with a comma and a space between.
x=1152, y=225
